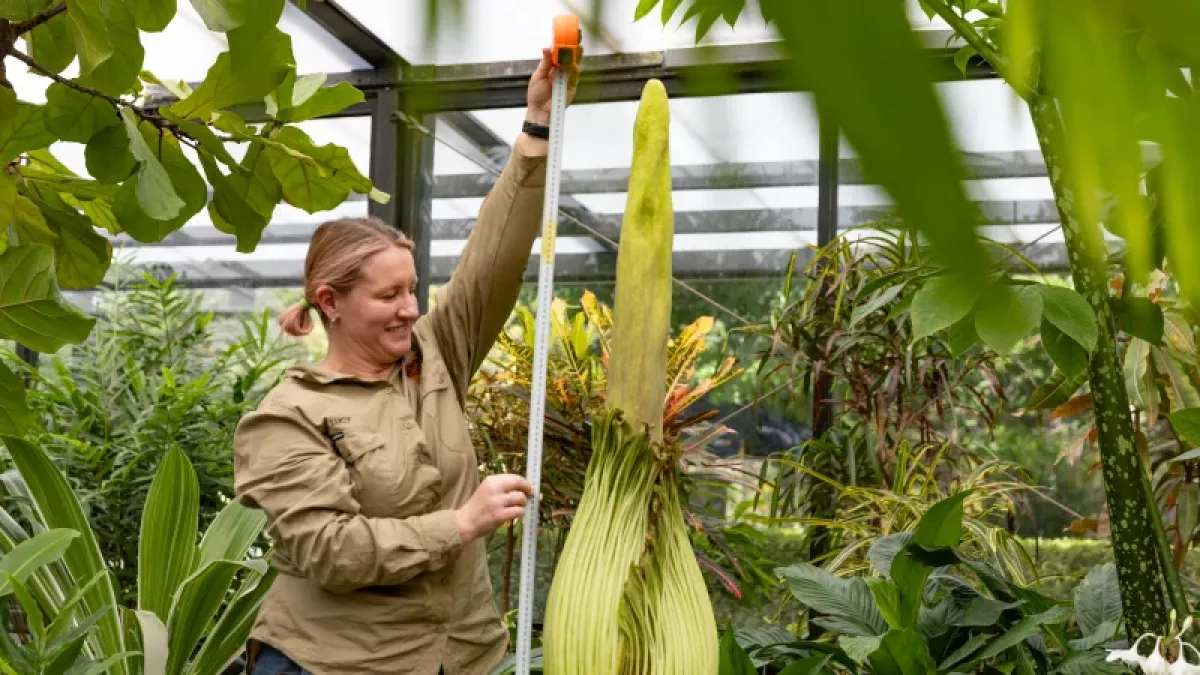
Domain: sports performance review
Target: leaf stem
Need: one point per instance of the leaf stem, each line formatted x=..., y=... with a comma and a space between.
x=41, y=18
x=967, y=32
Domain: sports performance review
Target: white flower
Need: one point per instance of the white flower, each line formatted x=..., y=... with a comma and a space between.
x=1155, y=664
x=1130, y=655
x=1181, y=665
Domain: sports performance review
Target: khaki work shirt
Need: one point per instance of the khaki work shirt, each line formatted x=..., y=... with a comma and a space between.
x=360, y=479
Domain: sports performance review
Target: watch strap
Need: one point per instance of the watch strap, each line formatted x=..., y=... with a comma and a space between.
x=536, y=130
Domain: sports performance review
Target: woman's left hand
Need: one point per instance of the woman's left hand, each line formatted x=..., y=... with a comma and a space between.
x=539, y=94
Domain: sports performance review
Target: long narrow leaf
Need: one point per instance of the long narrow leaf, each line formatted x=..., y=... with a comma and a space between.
x=231, y=534
x=167, y=547
x=195, y=605
x=155, y=643
x=233, y=628
x=32, y=554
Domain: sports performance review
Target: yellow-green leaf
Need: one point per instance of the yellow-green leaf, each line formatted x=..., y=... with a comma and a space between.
x=184, y=177
x=81, y=257
x=939, y=304
x=324, y=101
x=37, y=551
x=119, y=73
x=75, y=116
x=51, y=46
x=1006, y=315
x=167, y=541
x=14, y=409
x=31, y=225
x=226, y=15
x=1070, y=313
x=155, y=193
x=255, y=64
x=32, y=311
x=21, y=10
x=1186, y=423
x=8, y=201
x=22, y=126
x=152, y=16
x=89, y=29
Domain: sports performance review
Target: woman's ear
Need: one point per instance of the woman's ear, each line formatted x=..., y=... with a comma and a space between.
x=326, y=301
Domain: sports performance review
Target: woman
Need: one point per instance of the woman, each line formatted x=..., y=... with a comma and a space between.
x=363, y=463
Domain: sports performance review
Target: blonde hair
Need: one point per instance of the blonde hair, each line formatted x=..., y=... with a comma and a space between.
x=336, y=255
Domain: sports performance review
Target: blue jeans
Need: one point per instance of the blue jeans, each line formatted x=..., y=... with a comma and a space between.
x=271, y=661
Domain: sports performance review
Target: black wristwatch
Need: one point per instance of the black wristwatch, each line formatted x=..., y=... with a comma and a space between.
x=536, y=130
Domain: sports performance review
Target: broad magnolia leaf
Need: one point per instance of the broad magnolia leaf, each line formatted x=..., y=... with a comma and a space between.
x=188, y=183
x=1066, y=353
x=81, y=256
x=324, y=101
x=155, y=193
x=89, y=29
x=901, y=652
x=847, y=599
x=152, y=16
x=1187, y=424
x=75, y=116
x=8, y=201
x=255, y=64
x=1141, y=318
x=108, y=156
x=33, y=553
x=733, y=659
x=167, y=542
x=1067, y=311
x=939, y=304
x=14, y=411
x=32, y=311
x=22, y=126
x=50, y=44
x=21, y=10
x=226, y=15
x=1006, y=315
x=119, y=72
x=314, y=178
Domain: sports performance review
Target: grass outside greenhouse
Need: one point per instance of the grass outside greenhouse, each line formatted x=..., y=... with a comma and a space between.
x=899, y=378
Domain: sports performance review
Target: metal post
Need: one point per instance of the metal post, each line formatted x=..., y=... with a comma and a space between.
x=402, y=166
x=27, y=355
x=827, y=230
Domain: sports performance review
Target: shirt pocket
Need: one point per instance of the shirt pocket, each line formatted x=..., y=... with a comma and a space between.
x=378, y=469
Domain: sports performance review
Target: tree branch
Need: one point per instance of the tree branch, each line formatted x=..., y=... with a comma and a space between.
x=43, y=17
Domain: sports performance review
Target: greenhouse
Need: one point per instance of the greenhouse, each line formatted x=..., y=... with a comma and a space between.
x=872, y=346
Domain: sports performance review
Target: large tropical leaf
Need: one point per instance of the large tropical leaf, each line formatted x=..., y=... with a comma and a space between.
x=25, y=558
x=167, y=545
x=847, y=599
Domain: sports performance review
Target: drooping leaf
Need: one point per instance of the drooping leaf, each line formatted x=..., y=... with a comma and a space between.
x=167, y=543
x=846, y=599
x=22, y=126
x=32, y=311
x=50, y=44
x=1067, y=354
x=1141, y=318
x=901, y=652
x=108, y=156
x=225, y=15
x=204, y=136
x=1098, y=598
x=75, y=116
x=255, y=64
x=233, y=628
x=89, y=30
x=152, y=16
x=939, y=304
x=314, y=178
x=1067, y=311
x=186, y=180
x=1055, y=391
x=733, y=659
x=325, y=101
x=119, y=72
x=33, y=553
x=1186, y=423
x=155, y=193
x=21, y=10
x=1006, y=315
x=196, y=603
x=81, y=256
x=255, y=187
x=14, y=410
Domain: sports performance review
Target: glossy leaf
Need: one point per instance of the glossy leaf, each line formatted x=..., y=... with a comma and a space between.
x=1006, y=315
x=1098, y=599
x=155, y=193
x=75, y=116
x=88, y=29
x=167, y=543
x=22, y=126
x=33, y=553
x=305, y=174
x=32, y=311
x=119, y=73
x=941, y=525
x=325, y=101
x=226, y=15
x=1067, y=311
x=939, y=304
x=14, y=410
x=846, y=599
x=901, y=652
x=1067, y=354
x=152, y=16
x=1187, y=424
x=50, y=44
x=733, y=659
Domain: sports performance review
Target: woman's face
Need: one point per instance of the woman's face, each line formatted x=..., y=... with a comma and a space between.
x=376, y=317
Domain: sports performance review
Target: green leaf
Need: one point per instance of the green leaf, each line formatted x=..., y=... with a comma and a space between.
x=155, y=193
x=1066, y=353
x=32, y=311
x=230, y=211
x=982, y=611
x=847, y=599
x=885, y=549
x=939, y=304
x=119, y=73
x=869, y=72
x=33, y=553
x=75, y=116
x=14, y=410
x=188, y=183
x=811, y=665
x=155, y=642
x=887, y=599
x=962, y=58
x=1090, y=663
x=1055, y=391
x=88, y=28
x=197, y=602
x=22, y=127
x=309, y=182
x=1098, y=598
x=34, y=619
x=101, y=215
x=204, y=136
x=1137, y=383
x=644, y=7
x=254, y=65
x=326, y=101
x=31, y=225
x=1140, y=317
x=50, y=44
x=231, y=631
x=968, y=648
x=152, y=16
x=81, y=256
x=1102, y=634
x=108, y=156
x=901, y=652
x=1067, y=311
x=1186, y=423
x=167, y=543
x=962, y=336
x=1006, y=315
x=876, y=303
x=58, y=507
x=733, y=659
x=232, y=533
x=941, y=525
x=1020, y=631
x=8, y=202
x=858, y=648
x=21, y=10
x=226, y=15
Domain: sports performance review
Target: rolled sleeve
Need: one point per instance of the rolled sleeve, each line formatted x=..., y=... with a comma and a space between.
x=283, y=466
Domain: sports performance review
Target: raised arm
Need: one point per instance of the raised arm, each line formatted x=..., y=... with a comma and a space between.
x=284, y=466
x=474, y=305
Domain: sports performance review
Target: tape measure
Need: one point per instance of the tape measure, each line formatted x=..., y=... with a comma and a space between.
x=566, y=51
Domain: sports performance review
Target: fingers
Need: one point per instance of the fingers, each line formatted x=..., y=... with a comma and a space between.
x=508, y=482
x=545, y=66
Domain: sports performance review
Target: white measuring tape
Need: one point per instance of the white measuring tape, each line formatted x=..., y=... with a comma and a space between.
x=541, y=349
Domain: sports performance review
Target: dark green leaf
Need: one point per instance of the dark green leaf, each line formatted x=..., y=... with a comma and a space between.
x=1066, y=353
x=1070, y=314
x=152, y=16
x=910, y=576
x=885, y=549
x=868, y=71
x=51, y=46
x=967, y=648
x=733, y=659
x=1055, y=391
x=225, y=15
x=1140, y=317
x=31, y=225
x=1090, y=663
x=155, y=193
x=982, y=611
x=14, y=411
x=962, y=336
x=1021, y=630
x=21, y=10
x=848, y=599
x=941, y=525
x=935, y=621
x=1186, y=423
x=8, y=202
x=205, y=137
x=231, y=208
x=810, y=665
x=1102, y=634
x=325, y=101
x=167, y=542
x=1098, y=598
x=81, y=257
x=119, y=73
x=22, y=126
x=939, y=304
x=75, y=116
x=32, y=311
x=1006, y=315
x=887, y=599
x=254, y=65
x=108, y=157
x=89, y=30
x=901, y=653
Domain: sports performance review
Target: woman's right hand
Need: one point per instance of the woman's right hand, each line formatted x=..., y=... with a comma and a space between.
x=498, y=500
